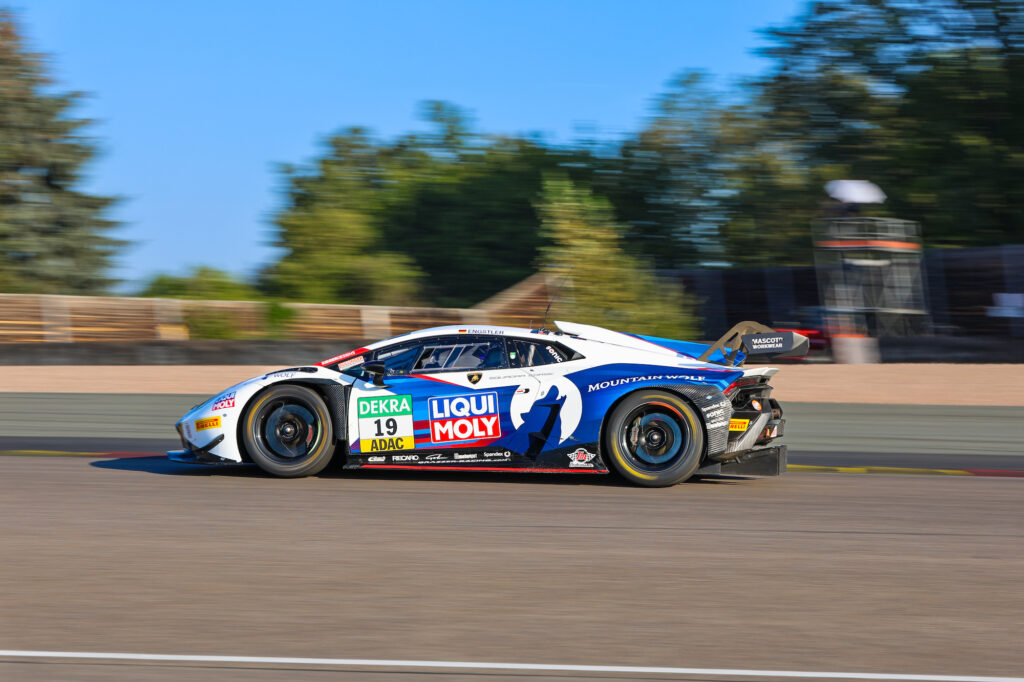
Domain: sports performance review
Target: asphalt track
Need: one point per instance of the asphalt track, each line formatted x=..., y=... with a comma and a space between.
x=129, y=552
x=823, y=434
x=805, y=572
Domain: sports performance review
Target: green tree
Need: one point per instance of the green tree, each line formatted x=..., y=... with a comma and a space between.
x=54, y=237
x=922, y=98
x=768, y=198
x=664, y=179
x=469, y=222
x=445, y=216
x=202, y=283
x=337, y=256
x=334, y=251
x=599, y=283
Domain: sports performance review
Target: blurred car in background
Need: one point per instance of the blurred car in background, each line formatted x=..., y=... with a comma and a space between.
x=811, y=322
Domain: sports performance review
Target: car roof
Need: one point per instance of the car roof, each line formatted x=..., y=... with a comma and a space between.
x=455, y=329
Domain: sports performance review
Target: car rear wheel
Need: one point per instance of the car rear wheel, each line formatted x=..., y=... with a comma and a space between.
x=654, y=439
x=287, y=431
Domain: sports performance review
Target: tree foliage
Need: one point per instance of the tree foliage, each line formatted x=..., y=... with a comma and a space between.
x=922, y=97
x=54, y=237
x=202, y=283
x=668, y=174
x=445, y=216
x=596, y=280
x=329, y=231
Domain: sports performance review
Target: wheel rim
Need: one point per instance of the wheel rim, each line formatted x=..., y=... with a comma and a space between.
x=654, y=436
x=288, y=430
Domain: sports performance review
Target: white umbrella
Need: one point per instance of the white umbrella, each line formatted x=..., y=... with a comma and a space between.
x=855, y=192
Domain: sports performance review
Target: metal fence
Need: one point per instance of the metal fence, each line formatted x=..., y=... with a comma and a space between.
x=967, y=293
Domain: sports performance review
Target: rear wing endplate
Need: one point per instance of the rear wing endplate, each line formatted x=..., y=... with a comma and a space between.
x=755, y=339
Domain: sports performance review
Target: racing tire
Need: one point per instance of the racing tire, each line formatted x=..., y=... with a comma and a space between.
x=287, y=431
x=654, y=438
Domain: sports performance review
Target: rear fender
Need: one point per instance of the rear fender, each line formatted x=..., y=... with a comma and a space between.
x=709, y=402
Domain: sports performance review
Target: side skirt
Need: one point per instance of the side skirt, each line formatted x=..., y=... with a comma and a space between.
x=575, y=459
x=507, y=469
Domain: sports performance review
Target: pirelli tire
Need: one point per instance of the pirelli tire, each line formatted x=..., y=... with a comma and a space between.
x=287, y=431
x=654, y=438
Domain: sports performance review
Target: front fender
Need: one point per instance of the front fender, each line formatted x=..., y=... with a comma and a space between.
x=220, y=414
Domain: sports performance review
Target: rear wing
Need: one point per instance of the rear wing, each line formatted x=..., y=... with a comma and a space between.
x=748, y=339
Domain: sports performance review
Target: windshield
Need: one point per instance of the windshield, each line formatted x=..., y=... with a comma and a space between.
x=445, y=354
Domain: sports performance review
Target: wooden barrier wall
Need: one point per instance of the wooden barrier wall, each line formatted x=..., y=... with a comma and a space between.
x=31, y=317
x=26, y=317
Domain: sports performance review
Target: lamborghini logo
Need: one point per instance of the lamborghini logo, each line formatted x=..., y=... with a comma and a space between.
x=474, y=377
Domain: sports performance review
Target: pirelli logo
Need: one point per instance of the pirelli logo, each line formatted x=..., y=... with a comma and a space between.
x=208, y=423
x=738, y=424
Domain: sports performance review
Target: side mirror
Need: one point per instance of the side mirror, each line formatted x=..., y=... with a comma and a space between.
x=377, y=371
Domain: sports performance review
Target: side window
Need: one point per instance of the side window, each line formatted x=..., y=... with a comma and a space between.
x=435, y=357
x=535, y=353
x=529, y=354
x=400, y=360
x=460, y=355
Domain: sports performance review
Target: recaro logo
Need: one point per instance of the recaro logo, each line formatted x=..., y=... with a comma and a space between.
x=464, y=417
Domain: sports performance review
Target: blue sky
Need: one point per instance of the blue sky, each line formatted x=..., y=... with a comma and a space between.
x=196, y=102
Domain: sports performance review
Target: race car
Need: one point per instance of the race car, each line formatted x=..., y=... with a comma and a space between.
x=577, y=399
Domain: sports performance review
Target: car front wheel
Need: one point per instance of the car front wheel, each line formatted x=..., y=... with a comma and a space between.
x=287, y=431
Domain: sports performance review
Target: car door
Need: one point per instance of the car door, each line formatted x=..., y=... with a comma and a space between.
x=556, y=406
x=439, y=393
x=471, y=389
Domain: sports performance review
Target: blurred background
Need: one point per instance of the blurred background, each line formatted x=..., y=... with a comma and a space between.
x=854, y=170
x=194, y=193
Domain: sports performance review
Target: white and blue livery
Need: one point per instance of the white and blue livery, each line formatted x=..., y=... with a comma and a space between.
x=580, y=399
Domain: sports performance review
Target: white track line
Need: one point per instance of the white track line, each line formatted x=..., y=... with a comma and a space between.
x=384, y=663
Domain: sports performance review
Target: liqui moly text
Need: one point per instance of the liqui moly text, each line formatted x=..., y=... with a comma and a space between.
x=464, y=417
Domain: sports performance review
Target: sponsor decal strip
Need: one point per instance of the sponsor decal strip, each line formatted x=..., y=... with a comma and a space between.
x=455, y=467
x=344, y=356
x=481, y=665
x=611, y=383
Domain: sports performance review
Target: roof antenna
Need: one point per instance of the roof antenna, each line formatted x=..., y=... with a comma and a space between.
x=543, y=322
x=543, y=328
